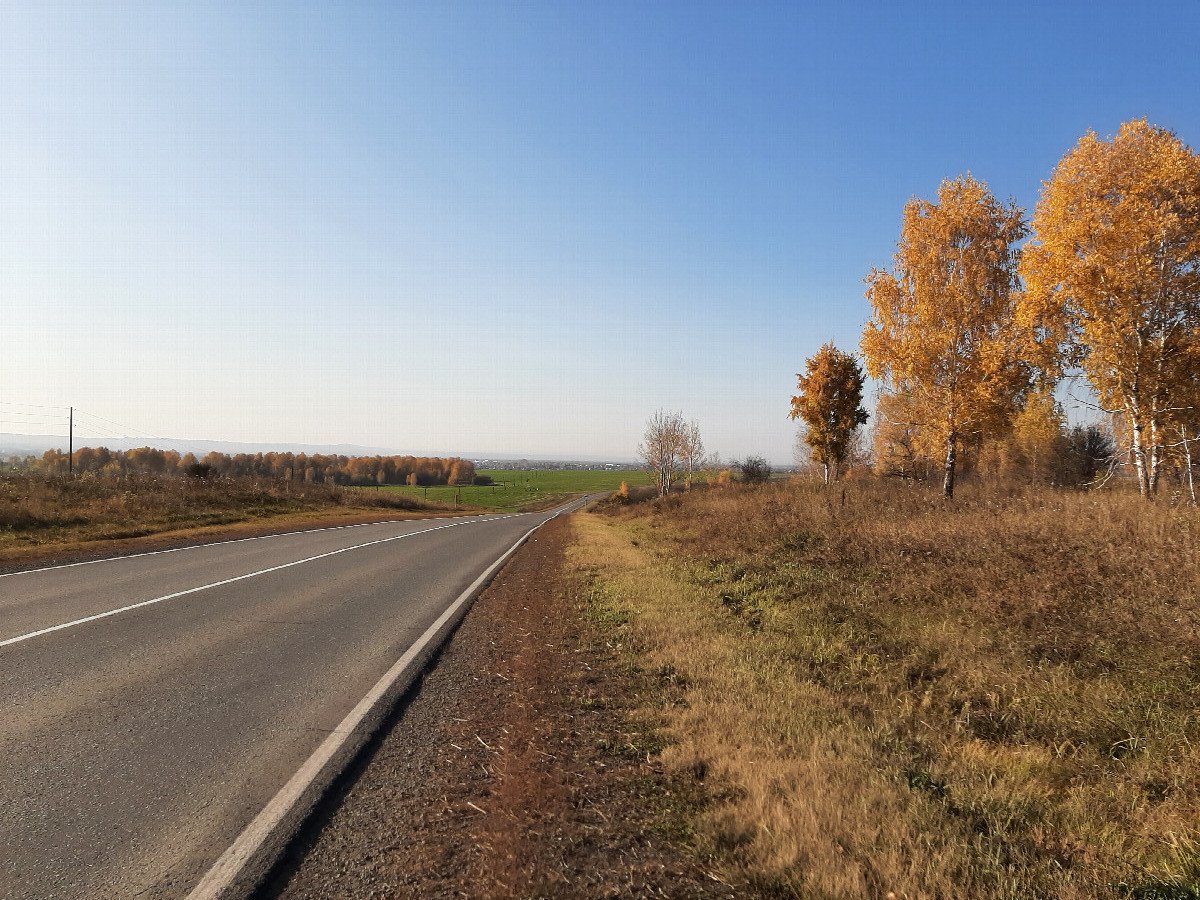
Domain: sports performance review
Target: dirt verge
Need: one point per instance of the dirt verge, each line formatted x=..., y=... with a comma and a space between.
x=518, y=768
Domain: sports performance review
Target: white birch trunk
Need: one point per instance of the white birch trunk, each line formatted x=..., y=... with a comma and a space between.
x=1187, y=458
x=951, y=459
x=1155, y=457
x=1139, y=448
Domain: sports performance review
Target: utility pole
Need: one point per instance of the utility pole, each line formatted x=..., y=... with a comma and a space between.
x=70, y=440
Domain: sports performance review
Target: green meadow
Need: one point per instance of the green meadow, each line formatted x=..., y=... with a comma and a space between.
x=518, y=488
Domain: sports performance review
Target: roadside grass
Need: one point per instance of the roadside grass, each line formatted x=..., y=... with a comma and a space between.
x=39, y=510
x=887, y=693
x=519, y=488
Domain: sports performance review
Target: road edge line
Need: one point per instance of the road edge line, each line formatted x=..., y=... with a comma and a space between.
x=239, y=871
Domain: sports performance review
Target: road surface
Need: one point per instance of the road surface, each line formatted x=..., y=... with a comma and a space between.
x=151, y=705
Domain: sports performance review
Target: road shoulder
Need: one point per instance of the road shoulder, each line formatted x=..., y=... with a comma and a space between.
x=521, y=767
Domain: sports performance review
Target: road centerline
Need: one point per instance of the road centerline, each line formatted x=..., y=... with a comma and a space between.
x=215, y=584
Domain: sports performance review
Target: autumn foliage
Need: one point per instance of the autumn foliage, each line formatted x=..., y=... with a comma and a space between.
x=1113, y=282
x=970, y=333
x=317, y=468
x=943, y=330
x=830, y=405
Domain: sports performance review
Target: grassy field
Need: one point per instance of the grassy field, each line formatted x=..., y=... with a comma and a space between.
x=887, y=695
x=517, y=488
x=40, y=511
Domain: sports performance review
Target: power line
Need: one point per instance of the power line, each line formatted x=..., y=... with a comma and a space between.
x=32, y=405
x=56, y=423
x=190, y=446
x=29, y=415
x=100, y=434
x=91, y=426
x=129, y=432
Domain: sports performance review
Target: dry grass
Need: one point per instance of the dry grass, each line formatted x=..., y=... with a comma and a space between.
x=39, y=510
x=994, y=698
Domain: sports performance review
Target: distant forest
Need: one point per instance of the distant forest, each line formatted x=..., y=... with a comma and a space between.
x=318, y=468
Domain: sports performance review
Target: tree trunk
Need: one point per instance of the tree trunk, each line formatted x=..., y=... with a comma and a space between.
x=826, y=465
x=1139, y=451
x=1187, y=458
x=1155, y=456
x=951, y=458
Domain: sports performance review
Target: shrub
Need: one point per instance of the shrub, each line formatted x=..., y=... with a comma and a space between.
x=755, y=470
x=198, y=470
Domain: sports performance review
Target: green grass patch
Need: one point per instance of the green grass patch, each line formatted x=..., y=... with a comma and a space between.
x=519, y=488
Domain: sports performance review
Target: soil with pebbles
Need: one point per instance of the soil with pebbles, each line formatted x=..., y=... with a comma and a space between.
x=514, y=769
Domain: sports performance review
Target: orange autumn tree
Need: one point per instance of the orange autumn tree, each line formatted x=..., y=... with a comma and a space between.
x=1113, y=280
x=830, y=405
x=943, y=330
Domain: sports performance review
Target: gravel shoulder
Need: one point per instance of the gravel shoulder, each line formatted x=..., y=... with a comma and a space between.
x=521, y=766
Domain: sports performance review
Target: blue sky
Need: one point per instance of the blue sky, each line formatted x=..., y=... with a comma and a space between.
x=506, y=227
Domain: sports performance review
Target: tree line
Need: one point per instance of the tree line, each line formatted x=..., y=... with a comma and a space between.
x=317, y=468
x=971, y=331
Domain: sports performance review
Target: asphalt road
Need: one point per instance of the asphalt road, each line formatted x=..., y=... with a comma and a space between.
x=135, y=746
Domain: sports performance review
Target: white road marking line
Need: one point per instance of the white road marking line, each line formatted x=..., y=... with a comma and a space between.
x=241, y=867
x=205, y=587
x=261, y=537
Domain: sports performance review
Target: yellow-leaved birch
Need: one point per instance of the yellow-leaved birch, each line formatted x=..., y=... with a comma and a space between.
x=943, y=328
x=1113, y=277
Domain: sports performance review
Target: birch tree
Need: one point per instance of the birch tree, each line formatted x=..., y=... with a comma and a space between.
x=1113, y=277
x=1184, y=424
x=662, y=447
x=691, y=452
x=943, y=330
x=830, y=405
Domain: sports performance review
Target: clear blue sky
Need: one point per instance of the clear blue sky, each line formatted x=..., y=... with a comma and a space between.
x=507, y=227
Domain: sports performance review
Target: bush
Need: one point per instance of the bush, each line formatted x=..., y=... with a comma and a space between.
x=755, y=470
x=626, y=495
x=1088, y=450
